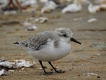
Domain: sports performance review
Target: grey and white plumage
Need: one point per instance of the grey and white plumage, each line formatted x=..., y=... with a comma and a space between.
x=49, y=45
x=39, y=40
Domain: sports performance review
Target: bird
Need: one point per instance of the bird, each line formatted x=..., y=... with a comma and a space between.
x=93, y=8
x=48, y=46
x=102, y=7
x=49, y=6
x=72, y=8
x=97, y=8
x=76, y=6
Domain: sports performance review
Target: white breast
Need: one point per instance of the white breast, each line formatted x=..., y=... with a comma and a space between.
x=50, y=53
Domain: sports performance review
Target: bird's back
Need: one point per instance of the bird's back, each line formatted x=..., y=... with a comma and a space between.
x=41, y=38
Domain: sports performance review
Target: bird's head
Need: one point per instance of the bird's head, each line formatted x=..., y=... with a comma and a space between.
x=66, y=35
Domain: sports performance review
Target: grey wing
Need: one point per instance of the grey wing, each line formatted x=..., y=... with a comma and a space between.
x=56, y=43
x=37, y=41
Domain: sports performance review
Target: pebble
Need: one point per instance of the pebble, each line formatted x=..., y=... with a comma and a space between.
x=92, y=20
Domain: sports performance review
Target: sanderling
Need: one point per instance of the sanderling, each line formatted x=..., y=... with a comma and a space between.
x=49, y=46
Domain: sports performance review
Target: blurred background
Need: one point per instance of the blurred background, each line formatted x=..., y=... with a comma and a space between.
x=21, y=19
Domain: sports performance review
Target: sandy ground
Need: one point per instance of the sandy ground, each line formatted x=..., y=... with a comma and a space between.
x=82, y=58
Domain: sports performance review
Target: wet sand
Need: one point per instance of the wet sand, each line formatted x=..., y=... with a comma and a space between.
x=82, y=58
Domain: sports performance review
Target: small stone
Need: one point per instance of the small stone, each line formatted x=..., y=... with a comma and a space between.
x=51, y=69
x=32, y=28
x=98, y=76
x=98, y=54
x=92, y=20
x=78, y=75
x=22, y=68
x=45, y=67
x=69, y=69
x=11, y=70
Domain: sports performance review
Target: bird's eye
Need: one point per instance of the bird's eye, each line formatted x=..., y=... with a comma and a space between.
x=64, y=35
x=26, y=45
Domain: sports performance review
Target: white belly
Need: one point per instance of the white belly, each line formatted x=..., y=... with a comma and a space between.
x=50, y=53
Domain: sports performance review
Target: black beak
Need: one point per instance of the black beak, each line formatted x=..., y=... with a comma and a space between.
x=16, y=43
x=72, y=39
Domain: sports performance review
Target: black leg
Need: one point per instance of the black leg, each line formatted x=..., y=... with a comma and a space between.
x=44, y=68
x=60, y=71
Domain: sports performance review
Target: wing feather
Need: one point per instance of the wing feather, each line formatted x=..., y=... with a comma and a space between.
x=41, y=39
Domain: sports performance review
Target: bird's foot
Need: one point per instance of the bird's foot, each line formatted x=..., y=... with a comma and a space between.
x=48, y=73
